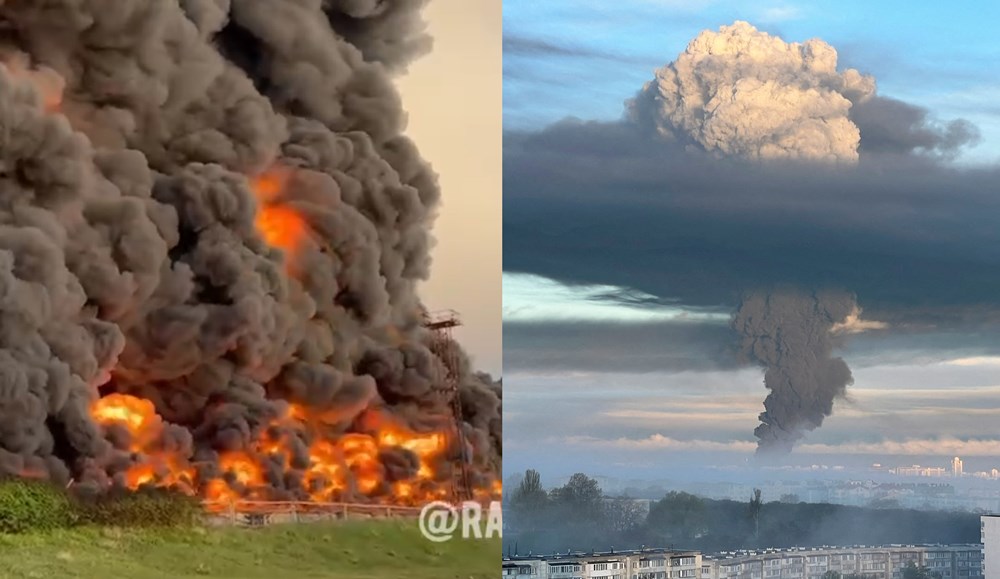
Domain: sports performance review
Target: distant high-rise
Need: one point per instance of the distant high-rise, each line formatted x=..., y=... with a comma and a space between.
x=956, y=467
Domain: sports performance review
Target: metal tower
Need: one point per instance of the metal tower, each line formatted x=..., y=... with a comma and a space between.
x=442, y=345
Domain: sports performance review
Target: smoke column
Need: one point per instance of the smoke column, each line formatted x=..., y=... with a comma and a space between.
x=211, y=233
x=792, y=334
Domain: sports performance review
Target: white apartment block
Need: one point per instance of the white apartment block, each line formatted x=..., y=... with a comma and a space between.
x=641, y=564
x=888, y=562
x=951, y=561
x=990, y=525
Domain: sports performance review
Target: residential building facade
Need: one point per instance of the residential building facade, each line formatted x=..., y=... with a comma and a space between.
x=951, y=561
x=990, y=525
x=887, y=562
x=638, y=564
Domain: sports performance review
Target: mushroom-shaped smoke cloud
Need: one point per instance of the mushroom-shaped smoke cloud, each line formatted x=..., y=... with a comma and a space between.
x=742, y=92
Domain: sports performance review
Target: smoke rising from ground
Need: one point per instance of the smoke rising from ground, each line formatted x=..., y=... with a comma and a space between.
x=791, y=334
x=210, y=205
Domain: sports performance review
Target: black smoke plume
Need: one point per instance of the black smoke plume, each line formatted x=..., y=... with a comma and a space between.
x=209, y=210
x=792, y=334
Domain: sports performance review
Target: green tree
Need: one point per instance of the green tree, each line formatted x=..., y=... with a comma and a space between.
x=581, y=492
x=578, y=511
x=911, y=571
x=754, y=510
x=530, y=491
x=622, y=514
x=529, y=501
x=678, y=514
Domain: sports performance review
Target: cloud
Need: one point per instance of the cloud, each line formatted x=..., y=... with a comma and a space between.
x=604, y=346
x=976, y=361
x=931, y=446
x=536, y=299
x=660, y=442
x=516, y=45
x=600, y=203
x=853, y=324
x=777, y=14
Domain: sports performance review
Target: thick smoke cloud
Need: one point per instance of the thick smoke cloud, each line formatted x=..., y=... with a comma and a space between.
x=211, y=205
x=791, y=334
x=745, y=93
x=702, y=204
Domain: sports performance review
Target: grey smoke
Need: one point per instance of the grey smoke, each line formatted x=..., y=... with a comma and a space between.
x=743, y=93
x=790, y=333
x=129, y=257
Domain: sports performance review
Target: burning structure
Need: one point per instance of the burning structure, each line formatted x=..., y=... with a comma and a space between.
x=211, y=232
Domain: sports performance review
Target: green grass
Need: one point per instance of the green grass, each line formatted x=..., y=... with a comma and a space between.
x=344, y=550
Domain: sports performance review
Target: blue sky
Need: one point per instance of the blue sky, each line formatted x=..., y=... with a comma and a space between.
x=573, y=405
x=942, y=56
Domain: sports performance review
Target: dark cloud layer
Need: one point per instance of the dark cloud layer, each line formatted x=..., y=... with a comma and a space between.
x=847, y=189
x=604, y=203
x=618, y=347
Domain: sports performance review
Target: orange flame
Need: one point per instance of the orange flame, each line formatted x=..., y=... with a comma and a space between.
x=338, y=463
x=137, y=415
x=278, y=223
x=242, y=467
x=46, y=81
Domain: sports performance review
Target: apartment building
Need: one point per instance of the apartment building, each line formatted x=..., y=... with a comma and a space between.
x=638, y=564
x=951, y=561
x=990, y=525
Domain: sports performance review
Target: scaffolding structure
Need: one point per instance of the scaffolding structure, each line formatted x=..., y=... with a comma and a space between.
x=441, y=323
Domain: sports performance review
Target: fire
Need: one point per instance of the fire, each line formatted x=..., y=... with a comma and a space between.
x=216, y=490
x=278, y=223
x=47, y=83
x=137, y=415
x=340, y=464
x=139, y=475
x=281, y=227
x=244, y=468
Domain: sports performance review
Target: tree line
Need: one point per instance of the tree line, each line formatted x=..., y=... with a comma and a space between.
x=580, y=516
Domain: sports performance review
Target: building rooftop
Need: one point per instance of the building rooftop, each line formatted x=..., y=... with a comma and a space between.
x=603, y=556
x=740, y=553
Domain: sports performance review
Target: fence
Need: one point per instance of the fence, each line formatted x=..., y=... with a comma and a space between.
x=261, y=513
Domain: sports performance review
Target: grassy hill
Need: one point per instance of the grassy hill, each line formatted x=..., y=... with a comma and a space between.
x=345, y=550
